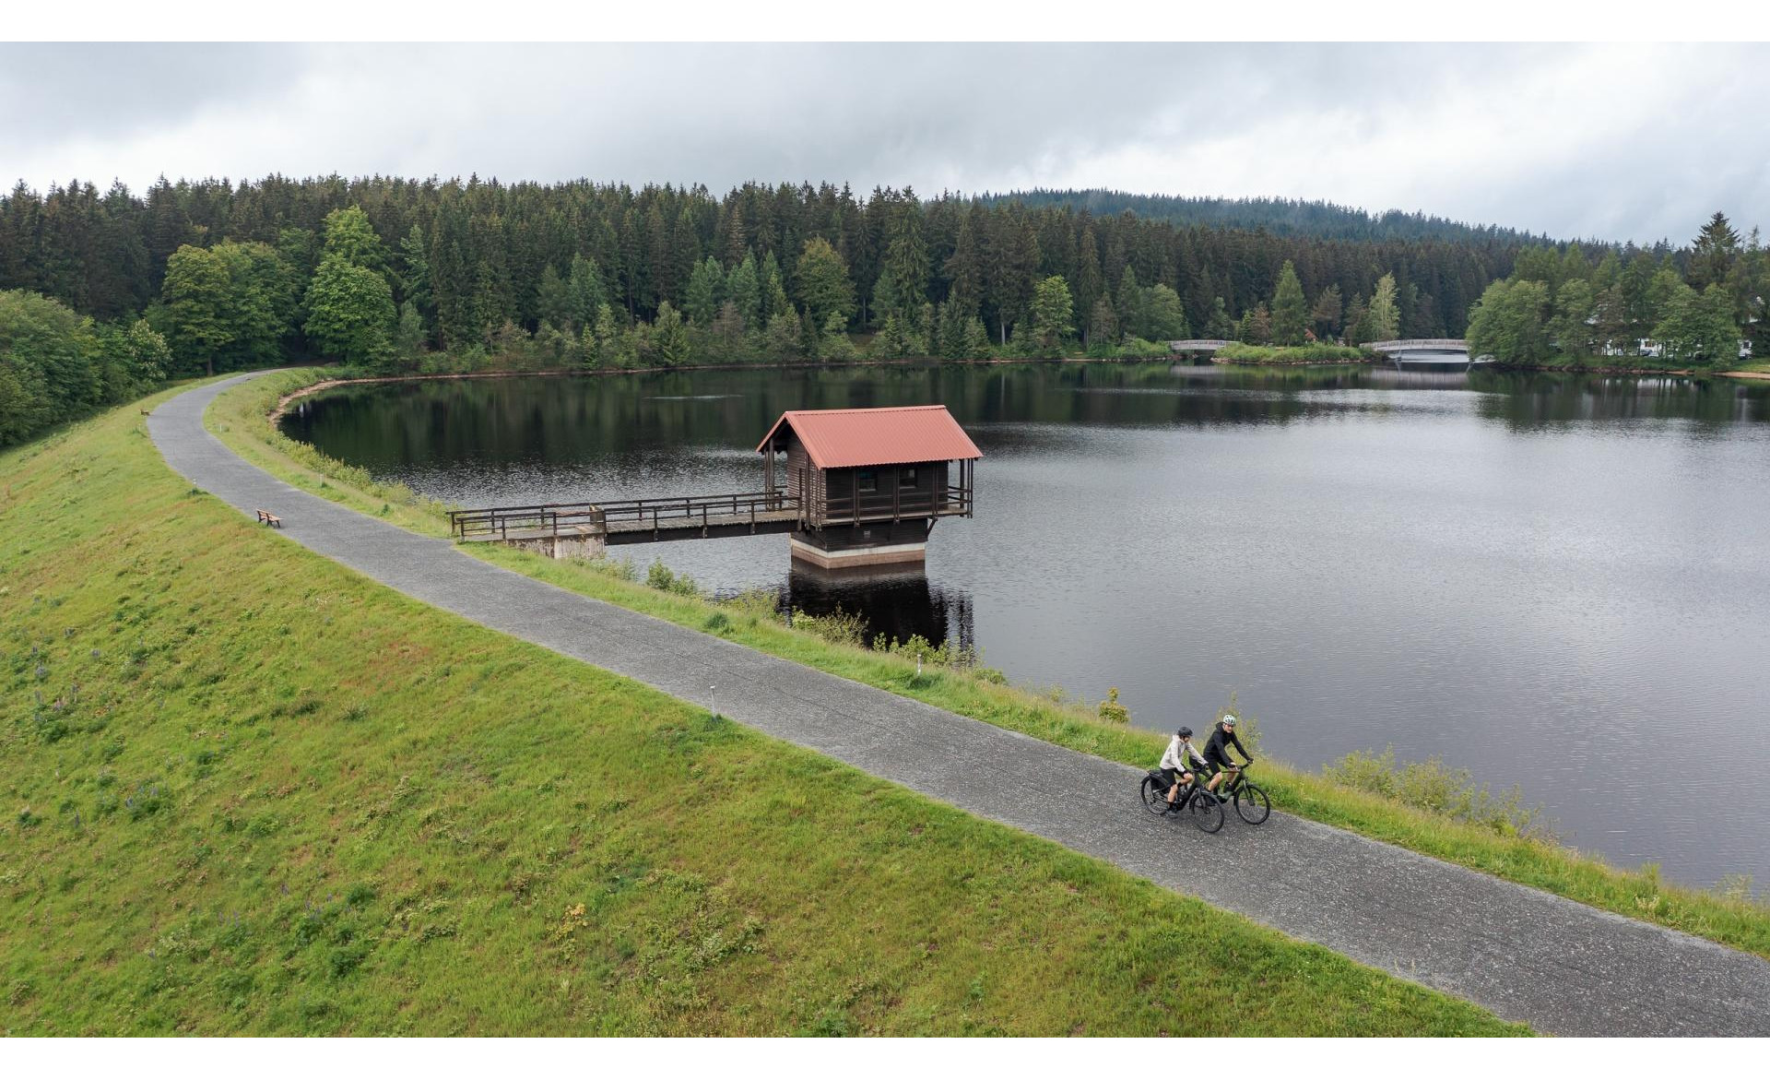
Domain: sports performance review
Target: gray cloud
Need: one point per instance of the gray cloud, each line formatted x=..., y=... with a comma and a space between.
x=1617, y=142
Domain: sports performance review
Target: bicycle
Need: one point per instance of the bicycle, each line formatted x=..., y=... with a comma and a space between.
x=1251, y=803
x=1205, y=811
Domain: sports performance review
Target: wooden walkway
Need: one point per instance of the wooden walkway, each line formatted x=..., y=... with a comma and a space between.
x=632, y=521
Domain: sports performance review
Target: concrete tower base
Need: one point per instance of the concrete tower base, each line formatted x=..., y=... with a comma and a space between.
x=903, y=543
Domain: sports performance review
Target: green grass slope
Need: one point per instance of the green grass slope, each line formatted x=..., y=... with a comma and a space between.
x=252, y=792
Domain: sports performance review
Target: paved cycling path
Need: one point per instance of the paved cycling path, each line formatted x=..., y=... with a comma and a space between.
x=1559, y=966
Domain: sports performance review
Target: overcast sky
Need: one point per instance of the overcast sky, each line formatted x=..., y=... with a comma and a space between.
x=1614, y=142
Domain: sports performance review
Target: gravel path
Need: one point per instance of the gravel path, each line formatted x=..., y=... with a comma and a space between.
x=1559, y=966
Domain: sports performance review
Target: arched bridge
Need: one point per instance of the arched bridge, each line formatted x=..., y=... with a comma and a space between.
x=1204, y=345
x=1407, y=351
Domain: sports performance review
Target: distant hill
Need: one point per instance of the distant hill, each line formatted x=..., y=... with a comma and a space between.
x=1283, y=217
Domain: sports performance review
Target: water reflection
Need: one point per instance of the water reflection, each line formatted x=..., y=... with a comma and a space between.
x=897, y=605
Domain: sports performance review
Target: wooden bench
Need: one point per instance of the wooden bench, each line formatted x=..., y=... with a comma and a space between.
x=265, y=517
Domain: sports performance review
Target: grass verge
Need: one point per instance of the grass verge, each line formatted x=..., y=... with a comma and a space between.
x=1372, y=806
x=253, y=792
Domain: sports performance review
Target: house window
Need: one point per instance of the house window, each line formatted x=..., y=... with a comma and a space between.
x=906, y=478
x=866, y=480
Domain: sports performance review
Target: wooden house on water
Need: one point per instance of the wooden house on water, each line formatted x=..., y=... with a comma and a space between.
x=869, y=484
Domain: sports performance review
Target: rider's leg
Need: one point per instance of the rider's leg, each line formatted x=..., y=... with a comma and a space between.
x=1184, y=779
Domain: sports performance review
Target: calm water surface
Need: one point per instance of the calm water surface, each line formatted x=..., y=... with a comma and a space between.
x=1559, y=583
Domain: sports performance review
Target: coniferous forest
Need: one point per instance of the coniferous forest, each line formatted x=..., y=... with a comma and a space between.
x=102, y=293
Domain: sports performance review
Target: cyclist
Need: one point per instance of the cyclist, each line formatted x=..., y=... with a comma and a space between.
x=1178, y=762
x=1217, y=751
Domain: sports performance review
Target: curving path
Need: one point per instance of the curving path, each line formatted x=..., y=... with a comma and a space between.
x=1559, y=966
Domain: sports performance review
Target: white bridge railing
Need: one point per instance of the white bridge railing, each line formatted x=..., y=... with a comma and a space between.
x=1424, y=344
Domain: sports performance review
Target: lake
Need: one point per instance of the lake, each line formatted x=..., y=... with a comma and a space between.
x=1554, y=582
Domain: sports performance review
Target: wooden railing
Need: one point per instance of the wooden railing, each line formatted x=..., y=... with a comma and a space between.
x=556, y=519
x=895, y=506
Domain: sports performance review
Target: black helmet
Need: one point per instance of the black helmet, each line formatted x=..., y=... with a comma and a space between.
x=1184, y=733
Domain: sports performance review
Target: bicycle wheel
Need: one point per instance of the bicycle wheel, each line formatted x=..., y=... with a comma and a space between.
x=1252, y=804
x=1207, y=813
x=1155, y=797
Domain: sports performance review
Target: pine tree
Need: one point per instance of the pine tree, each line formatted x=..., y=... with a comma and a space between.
x=774, y=290
x=1712, y=254
x=1053, y=315
x=408, y=336
x=906, y=260
x=415, y=271
x=1129, y=304
x=1290, y=312
x=1327, y=312
x=964, y=267
x=586, y=293
x=1103, y=324
x=669, y=336
x=745, y=290
x=1090, y=283
x=553, y=300
x=706, y=289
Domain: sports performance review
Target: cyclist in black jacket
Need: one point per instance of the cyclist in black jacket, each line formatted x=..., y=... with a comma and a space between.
x=1217, y=751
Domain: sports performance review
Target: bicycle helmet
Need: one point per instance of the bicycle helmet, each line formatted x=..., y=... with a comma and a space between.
x=1228, y=719
x=1184, y=733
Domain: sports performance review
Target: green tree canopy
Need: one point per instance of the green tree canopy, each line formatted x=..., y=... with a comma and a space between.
x=1510, y=323
x=1164, y=316
x=824, y=286
x=1699, y=328
x=198, y=297
x=1385, y=316
x=350, y=312
x=350, y=234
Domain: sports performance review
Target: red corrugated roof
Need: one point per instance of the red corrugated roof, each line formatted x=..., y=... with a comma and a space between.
x=850, y=438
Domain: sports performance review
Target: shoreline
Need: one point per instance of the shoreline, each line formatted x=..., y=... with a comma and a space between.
x=283, y=402
x=276, y=415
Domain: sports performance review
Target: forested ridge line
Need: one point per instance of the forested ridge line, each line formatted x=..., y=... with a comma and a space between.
x=103, y=295
x=488, y=244
x=1286, y=217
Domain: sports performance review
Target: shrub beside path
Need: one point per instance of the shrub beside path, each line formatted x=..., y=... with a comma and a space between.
x=1528, y=956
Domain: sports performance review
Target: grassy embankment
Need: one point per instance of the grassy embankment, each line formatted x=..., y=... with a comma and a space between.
x=1285, y=356
x=252, y=792
x=1421, y=807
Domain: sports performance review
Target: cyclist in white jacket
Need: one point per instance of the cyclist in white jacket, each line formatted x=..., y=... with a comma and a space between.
x=1178, y=763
